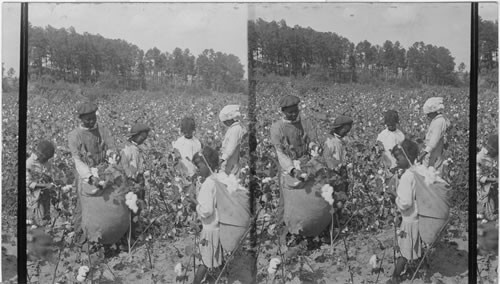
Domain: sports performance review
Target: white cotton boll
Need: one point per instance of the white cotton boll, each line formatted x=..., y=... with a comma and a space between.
x=94, y=172
x=177, y=179
x=83, y=270
x=66, y=188
x=81, y=278
x=179, y=270
x=131, y=201
x=266, y=180
x=349, y=166
x=303, y=176
x=271, y=271
x=326, y=193
x=374, y=261
x=380, y=172
x=274, y=263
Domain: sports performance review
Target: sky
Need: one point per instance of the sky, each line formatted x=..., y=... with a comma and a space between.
x=441, y=24
x=222, y=27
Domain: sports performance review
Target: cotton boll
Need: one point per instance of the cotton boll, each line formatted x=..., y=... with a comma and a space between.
x=81, y=278
x=131, y=201
x=271, y=271
x=83, y=270
x=179, y=270
x=374, y=261
x=274, y=264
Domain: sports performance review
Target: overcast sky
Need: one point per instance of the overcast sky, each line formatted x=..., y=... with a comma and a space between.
x=222, y=27
x=441, y=24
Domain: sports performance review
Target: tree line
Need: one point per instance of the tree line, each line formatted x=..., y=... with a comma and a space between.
x=64, y=54
x=297, y=51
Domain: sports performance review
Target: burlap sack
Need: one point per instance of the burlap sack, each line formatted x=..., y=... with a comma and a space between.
x=234, y=215
x=433, y=203
x=105, y=216
x=306, y=212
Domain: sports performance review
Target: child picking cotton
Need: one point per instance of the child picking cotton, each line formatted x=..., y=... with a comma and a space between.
x=387, y=139
x=132, y=157
x=487, y=179
x=209, y=242
x=409, y=241
x=39, y=181
x=335, y=154
x=187, y=145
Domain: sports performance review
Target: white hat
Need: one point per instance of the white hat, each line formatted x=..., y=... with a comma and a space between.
x=433, y=104
x=229, y=112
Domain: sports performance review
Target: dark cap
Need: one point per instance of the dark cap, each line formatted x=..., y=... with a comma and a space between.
x=138, y=128
x=342, y=120
x=289, y=101
x=85, y=108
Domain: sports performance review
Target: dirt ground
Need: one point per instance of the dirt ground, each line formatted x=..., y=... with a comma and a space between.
x=155, y=263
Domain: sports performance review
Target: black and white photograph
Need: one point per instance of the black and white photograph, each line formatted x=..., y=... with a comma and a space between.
x=363, y=126
x=136, y=119
x=487, y=145
x=249, y=142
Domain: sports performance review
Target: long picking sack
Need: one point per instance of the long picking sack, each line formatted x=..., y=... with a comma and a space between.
x=105, y=216
x=433, y=201
x=234, y=213
x=306, y=212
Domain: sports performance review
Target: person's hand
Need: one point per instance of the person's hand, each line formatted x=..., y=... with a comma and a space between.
x=421, y=156
x=492, y=180
x=296, y=173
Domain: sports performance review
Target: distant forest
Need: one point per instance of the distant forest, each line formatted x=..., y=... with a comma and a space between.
x=64, y=54
x=297, y=51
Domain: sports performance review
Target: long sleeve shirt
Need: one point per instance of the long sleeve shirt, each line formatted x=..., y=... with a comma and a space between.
x=406, y=194
x=335, y=150
x=207, y=204
x=132, y=160
x=483, y=160
x=389, y=139
x=187, y=149
x=230, y=151
x=36, y=172
x=291, y=141
x=434, y=139
x=88, y=148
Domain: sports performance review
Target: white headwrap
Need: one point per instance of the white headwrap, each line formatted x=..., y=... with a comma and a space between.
x=229, y=112
x=433, y=104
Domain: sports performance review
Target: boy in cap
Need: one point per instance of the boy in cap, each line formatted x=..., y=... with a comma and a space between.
x=293, y=138
x=336, y=155
x=39, y=181
x=132, y=158
x=432, y=155
x=90, y=144
x=187, y=145
x=487, y=179
x=230, y=151
x=334, y=145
